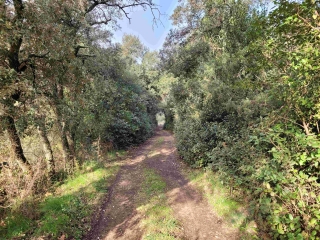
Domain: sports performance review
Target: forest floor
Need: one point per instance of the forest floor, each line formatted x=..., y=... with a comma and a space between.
x=151, y=198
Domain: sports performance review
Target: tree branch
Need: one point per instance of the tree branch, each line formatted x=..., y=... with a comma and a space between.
x=77, y=49
x=100, y=19
x=99, y=22
x=308, y=23
x=85, y=55
x=122, y=7
x=117, y=5
x=32, y=55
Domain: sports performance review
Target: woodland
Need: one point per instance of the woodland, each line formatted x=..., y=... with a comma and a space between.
x=237, y=81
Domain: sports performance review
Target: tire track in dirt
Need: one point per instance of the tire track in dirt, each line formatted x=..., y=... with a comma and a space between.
x=118, y=217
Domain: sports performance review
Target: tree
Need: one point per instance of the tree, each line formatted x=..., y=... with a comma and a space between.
x=245, y=104
x=293, y=49
x=132, y=49
x=46, y=38
x=105, y=11
x=12, y=68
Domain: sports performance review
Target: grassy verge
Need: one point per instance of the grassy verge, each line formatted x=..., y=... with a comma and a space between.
x=158, y=222
x=66, y=211
x=115, y=155
x=233, y=211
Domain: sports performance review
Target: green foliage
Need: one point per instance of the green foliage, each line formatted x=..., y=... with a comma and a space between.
x=16, y=226
x=60, y=81
x=62, y=86
x=68, y=210
x=247, y=106
x=169, y=123
x=294, y=162
x=135, y=119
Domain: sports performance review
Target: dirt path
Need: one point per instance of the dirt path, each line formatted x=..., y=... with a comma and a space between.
x=118, y=217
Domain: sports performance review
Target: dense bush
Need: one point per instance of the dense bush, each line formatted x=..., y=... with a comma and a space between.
x=67, y=93
x=247, y=107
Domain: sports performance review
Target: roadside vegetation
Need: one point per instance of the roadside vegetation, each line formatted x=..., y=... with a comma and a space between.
x=66, y=209
x=244, y=103
x=236, y=81
x=67, y=98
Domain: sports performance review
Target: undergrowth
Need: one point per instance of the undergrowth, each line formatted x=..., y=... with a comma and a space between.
x=63, y=212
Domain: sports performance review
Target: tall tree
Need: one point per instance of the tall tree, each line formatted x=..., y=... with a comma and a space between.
x=132, y=49
x=38, y=36
x=13, y=67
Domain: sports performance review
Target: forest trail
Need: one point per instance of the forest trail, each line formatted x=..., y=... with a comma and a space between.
x=118, y=217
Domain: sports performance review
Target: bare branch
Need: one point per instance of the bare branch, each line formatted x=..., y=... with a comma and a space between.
x=117, y=5
x=32, y=55
x=100, y=19
x=100, y=22
x=308, y=23
x=85, y=55
x=92, y=6
x=122, y=8
x=77, y=49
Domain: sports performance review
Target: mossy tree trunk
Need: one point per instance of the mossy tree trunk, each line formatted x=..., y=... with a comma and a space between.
x=46, y=146
x=16, y=144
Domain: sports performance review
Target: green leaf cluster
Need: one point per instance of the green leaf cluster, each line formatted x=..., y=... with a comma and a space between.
x=247, y=106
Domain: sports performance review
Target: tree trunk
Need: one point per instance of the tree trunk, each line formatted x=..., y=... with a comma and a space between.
x=62, y=128
x=46, y=147
x=71, y=136
x=72, y=146
x=64, y=141
x=15, y=43
x=306, y=127
x=16, y=145
x=68, y=165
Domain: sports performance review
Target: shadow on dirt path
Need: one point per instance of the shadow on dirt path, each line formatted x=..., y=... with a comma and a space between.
x=118, y=218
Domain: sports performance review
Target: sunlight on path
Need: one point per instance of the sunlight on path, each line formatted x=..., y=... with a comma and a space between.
x=131, y=203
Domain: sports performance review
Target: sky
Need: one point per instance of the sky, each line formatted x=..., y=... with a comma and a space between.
x=141, y=25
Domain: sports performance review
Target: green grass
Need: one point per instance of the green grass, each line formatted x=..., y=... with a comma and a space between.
x=231, y=210
x=158, y=222
x=66, y=211
x=15, y=225
x=160, y=140
x=115, y=155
